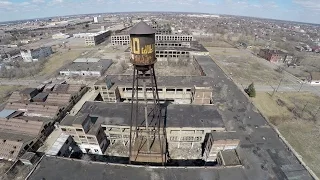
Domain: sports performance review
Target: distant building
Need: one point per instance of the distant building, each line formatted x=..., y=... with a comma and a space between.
x=160, y=37
x=274, y=56
x=32, y=55
x=60, y=36
x=25, y=41
x=95, y=19
x=124, y=40
x=96, y=38
x=314, y=78
x=86, y=68
x=204, y=15
x=161, y=28
x=316, y=49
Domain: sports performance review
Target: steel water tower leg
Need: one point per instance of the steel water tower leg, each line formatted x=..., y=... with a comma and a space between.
x=131, y=122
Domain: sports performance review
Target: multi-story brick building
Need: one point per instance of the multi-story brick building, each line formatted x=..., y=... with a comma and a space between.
x=275, y=56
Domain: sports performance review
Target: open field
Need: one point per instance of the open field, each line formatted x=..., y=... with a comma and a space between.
x=296, y=115
x=215, y=43
x=244, y=67
x=309, y=63
x=5, y=91
x=58, y=60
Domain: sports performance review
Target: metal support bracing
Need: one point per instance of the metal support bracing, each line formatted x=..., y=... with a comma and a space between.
x=130, y=137
x=151, y=119
x=137, y=101
x=157, y=112
x=146, y=109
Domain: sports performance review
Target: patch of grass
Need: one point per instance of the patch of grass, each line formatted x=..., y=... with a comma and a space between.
x=304, y=137
x=215, y=43
x=244, y=67
x=294, y=116
x=58, y=60
x=5, y=91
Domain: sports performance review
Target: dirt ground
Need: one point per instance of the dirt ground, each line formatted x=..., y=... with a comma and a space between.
x=5, y=91
x=244, y=67
x=297, y=117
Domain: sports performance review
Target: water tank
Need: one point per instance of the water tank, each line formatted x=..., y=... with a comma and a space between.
x=142, y=43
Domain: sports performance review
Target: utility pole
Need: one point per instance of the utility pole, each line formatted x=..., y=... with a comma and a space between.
x=317, y=111
x=300, y=87
x=276, y=90
x=304, y=108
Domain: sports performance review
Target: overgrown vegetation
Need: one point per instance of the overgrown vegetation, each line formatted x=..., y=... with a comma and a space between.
x=250, y=90
x=20, y=69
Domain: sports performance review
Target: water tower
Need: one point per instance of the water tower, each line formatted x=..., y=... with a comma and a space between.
x=147, y=138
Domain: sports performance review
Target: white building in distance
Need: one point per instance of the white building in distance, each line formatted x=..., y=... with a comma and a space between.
x=60, y=36
x=314, y=78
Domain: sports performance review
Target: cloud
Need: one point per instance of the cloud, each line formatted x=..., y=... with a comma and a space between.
x=24, y=3
x=37, y=1
x=57, y=1
x=308, y=4
x=5, y=3
x=6, y=6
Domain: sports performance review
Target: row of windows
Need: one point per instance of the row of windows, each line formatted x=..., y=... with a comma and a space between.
x=67, y=129
x=186, y=138
x=159, y=89
x=172, y=52
x=173, y=38
x=173, y=56
x=159, y=38
x=120, y=38
x=168, y=44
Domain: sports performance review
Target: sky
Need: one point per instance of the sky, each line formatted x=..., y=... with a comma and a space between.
x=294, y=10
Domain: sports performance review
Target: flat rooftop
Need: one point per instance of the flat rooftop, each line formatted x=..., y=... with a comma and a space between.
x=70, y=120
x=262, y=153
x=177, y=115
x=52, y=168
x=5, y=135
x=162, y=81
x=88, y=66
